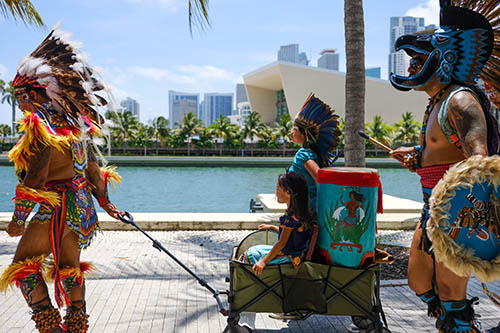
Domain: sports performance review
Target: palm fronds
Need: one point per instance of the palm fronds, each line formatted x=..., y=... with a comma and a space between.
x=22, y=9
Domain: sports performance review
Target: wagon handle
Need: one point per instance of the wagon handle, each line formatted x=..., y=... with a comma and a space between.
x=129, y=219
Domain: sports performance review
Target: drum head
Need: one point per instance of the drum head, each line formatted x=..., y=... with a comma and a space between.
x=350, y=169
x=464, y=226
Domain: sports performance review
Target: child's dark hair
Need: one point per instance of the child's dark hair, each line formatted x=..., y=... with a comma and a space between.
x=296, y=185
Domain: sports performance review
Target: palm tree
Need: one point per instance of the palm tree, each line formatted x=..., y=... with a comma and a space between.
x=9, y=96
x=407, y=130
x=221, y=129
x=253, y=124
x=267, y=136
x=123, y=126
x=284, y=129
x=22, y=9
x=161, y=131
x=379, y=130
x=198, y=14
x=354, y=150
x=4, y=131
x=190, y=127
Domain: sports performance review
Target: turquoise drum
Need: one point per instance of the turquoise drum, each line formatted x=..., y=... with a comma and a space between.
x=465, y=218
x=348, y=202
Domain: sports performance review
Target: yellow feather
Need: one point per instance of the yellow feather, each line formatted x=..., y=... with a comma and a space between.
x=9, y=274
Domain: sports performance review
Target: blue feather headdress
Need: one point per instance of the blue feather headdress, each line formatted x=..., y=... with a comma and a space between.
x=320, y=126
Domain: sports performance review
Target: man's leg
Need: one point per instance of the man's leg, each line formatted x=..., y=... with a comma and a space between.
x=421, y=273
x=458, y=314
x=29, y=258
x=76, y=319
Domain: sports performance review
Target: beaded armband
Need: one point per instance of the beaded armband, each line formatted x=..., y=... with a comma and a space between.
x=22, y=210
x=26, y=199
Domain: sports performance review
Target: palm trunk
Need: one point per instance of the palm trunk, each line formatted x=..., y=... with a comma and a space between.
x=354, y=150
x=13, y=118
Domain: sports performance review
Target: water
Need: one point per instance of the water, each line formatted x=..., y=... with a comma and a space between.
x=164, y=189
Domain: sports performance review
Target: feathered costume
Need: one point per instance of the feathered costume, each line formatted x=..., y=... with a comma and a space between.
x=466, y=47
x=320, y=126
x=68, y=122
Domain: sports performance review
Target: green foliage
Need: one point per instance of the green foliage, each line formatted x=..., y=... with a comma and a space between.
x=379, y=130
x=407, y=130
x=22, y=9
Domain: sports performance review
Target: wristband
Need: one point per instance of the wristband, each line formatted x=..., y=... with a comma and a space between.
x=103, y=201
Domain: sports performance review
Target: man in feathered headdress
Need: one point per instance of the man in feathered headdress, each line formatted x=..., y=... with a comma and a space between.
x=57, y=170
x=445, y=63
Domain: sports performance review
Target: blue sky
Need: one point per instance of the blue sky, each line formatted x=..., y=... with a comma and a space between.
x=143, y=48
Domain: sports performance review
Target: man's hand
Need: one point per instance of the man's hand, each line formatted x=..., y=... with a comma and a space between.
x=405, y=155
x=263, y=226
x=14, y=229
x=259, y=267
x=112, y=211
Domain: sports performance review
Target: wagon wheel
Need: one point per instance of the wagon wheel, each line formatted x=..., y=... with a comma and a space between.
x=361, y=322
x=238, y=329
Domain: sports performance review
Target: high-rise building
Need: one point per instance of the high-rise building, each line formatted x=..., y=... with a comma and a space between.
x=302, y=59
x=373, y=72
x=241, y=93
x=281, y=105
x=241, y=115
x=179, y=105
x=130, y=104
x=329, y=59
x=216, y=105
x=402, y=25
x=289, y=53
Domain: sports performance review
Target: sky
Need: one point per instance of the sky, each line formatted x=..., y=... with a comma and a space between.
x=143, y=48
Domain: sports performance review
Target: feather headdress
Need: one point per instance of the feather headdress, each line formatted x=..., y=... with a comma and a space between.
x=58, y=66
x=320, y=126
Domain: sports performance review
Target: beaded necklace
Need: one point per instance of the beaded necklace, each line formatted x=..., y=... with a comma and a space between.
x=432, y=102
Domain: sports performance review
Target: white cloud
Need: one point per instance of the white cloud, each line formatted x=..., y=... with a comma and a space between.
x=192, y=77
x=428, y=10
x=4, y=73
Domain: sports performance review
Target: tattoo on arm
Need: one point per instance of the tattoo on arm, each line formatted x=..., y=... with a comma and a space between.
x=466, y=115
x=38, y=168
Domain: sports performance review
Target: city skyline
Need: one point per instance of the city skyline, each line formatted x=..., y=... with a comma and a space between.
x=153, y=52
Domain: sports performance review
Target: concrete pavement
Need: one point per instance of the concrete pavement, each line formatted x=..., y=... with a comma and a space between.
x=139, y=289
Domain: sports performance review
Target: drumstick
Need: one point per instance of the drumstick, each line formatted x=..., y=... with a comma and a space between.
x=379, y=144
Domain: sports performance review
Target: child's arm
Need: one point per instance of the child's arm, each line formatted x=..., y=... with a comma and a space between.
x=268, y=226
x=259, y=266
x=312, y=168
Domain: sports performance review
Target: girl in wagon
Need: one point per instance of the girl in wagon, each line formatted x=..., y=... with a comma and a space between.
x=294, y=231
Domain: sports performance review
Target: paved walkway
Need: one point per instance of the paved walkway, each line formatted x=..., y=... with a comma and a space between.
x=139, y=289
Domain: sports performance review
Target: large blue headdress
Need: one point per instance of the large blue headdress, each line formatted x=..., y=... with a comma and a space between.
x=320, y=126
x=465, y=47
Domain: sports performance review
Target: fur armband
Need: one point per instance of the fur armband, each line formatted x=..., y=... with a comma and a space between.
x=36, y=135
x=110, y=176
x=39, y=196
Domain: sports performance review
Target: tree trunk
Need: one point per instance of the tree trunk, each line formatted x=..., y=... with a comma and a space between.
x=354, y=150
x=13, y=117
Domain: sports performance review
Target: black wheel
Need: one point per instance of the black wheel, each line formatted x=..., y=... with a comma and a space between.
x=361, y=322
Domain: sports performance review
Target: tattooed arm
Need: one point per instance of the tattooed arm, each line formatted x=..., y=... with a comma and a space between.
x=98, y=184
x=467, y=118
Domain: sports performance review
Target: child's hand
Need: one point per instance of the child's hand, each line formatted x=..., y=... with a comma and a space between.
x=259, y=267
x=263, y=226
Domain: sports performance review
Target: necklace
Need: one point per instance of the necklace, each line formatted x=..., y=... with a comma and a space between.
x=432, y=102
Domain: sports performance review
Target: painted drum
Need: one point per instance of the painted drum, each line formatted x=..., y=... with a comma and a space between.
x=348, y=201
x=465, y=218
